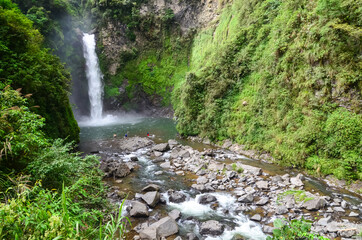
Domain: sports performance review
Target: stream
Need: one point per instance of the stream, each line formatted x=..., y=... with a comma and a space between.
x=236, y=221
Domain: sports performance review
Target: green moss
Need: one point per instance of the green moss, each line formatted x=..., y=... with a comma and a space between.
x=299, y=196
x=282, y=77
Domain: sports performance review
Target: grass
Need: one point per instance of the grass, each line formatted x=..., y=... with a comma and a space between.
x=299, y=196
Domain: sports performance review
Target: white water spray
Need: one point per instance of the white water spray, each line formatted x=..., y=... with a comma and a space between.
x=94, y=76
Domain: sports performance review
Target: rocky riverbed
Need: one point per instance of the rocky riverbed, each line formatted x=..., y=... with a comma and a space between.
x=177, y=192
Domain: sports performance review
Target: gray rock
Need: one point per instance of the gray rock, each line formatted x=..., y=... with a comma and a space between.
x=175, y=214
x=151, y=188
x=314, y=204
x=324, y=221
x=134, y=159
x=252, y=170
x=172, y=142
x=134, y=143
x=348, y=233
x=141, y=226
x=122, y=170
x=166, y=227
x=165, y=165
x=353, y=214
x=262, y=201
x=199, y=187
x=280, y=210
x=227, y=144
x=191, y=236
x=157, y=153
x=231, y=174
x=256, y=218
x=289, y=201
x=151, y=198
x=178, y=238
x=296, y=182
x=247, y=198
x=177, y=197
x=338, y=209
x=138, y=209
x=211, y=227
x=158, y=173
x=276, y=179
x=268, y=229
x=216, y=166
x=262, y=185
x=162, y=147
x=184, y=154
x=202, y=180
x=206, y=199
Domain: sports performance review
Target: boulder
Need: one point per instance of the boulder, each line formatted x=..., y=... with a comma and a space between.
x=262, y=201
x=134, y=159
x=165, y=165
x=151, y=198
x=211, y=227
x=175, y=214
x=162, y=147
x=157, y=153
x=138, y=209
x=256, y=218
x=177, y=197
x=202, y=180
x=206, y=199
x=151, y=188
x=314, y=204
x=252, y=170
x=162, y=228
x=199, y=187
x=338, y=209
x=281, y=210
x=191, y=236
x=121, y=171
x=216, y=166
x=247, y=198
x=262, y=185
x=296, y=181
x=134, y=143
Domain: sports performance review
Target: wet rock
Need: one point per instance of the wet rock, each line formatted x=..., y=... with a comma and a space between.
x=314, y=204
x=256, y=218
x=177, y=197
x=175, y=214
x=202, y=180
x=165, y=165
x=162, y=147
x=238, y=237
x=151, y=188
x=138, y=209
x=191, y=236
x=158, y=160
x=132, y=165
x=121, y=171
x=134, y=159
x=158, y=173
x=151, y=198
x=280, y=210
x=247, y=198
x=206, y=199
x=262, y=201
x=162, y=228
x=211, y=227
x=262, y=185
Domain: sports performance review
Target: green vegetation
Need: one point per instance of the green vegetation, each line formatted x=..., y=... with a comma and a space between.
x=299, y=195
x=236, y=168
x=68, y=199
x=26, y=64
x=293, y=230
x=282, y=77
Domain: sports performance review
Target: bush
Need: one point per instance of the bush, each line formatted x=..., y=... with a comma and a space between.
x=293, y=230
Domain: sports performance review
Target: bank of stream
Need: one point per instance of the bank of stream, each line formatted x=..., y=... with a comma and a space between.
x=243, y=196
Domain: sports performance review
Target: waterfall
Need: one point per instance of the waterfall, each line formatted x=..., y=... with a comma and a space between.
x=94, y=76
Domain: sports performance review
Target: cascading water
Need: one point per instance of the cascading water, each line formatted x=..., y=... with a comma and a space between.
x=94, y=76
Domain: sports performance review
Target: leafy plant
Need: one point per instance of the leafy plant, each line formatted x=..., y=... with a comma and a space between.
x=117, y=225
x=293, y=230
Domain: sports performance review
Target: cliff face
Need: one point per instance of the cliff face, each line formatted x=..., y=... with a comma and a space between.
x=283, y=77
